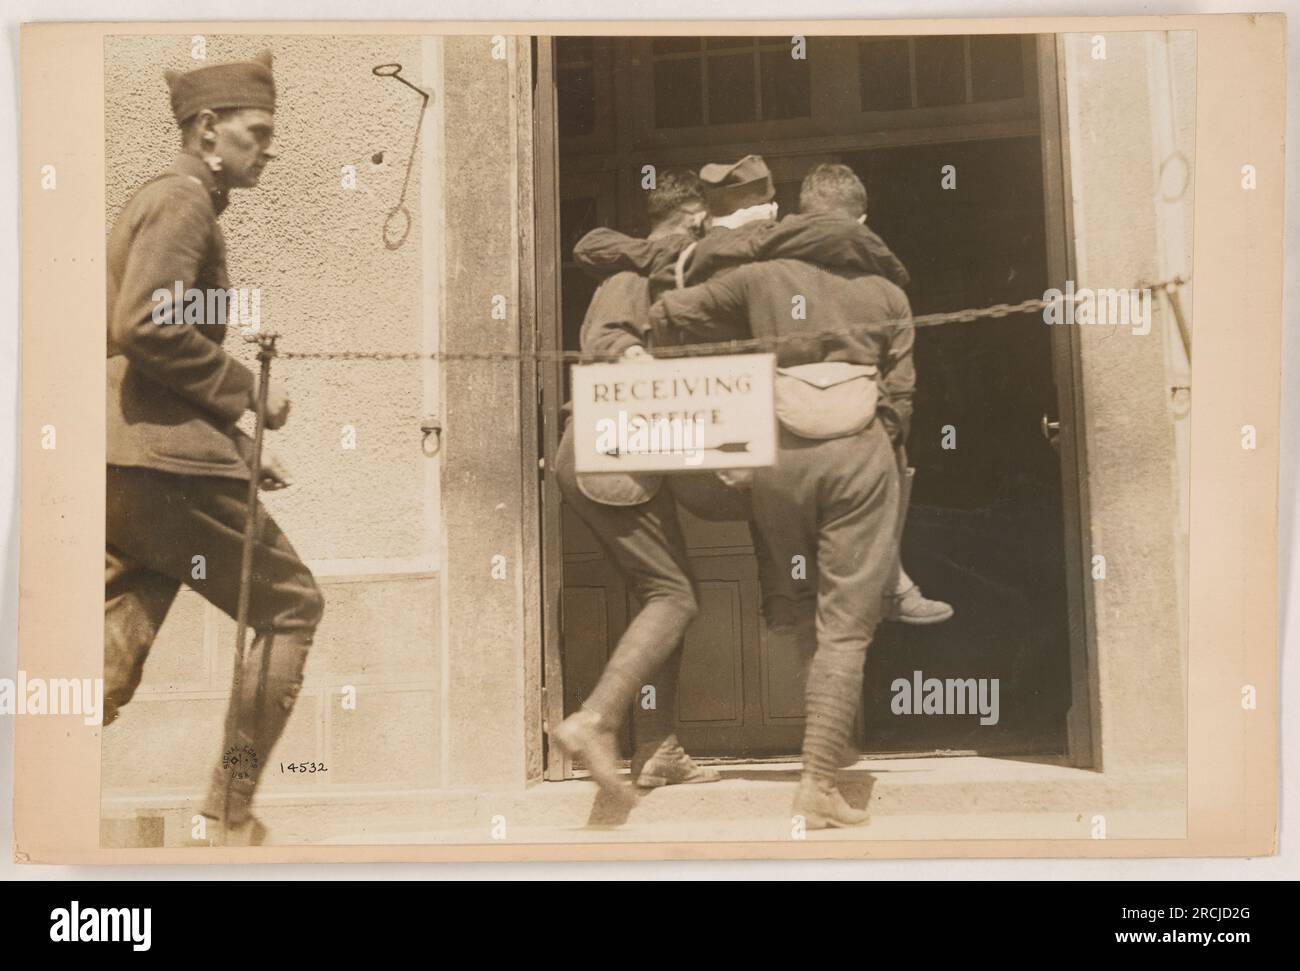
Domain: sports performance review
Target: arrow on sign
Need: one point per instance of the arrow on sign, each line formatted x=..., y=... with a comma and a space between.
x=725, y=447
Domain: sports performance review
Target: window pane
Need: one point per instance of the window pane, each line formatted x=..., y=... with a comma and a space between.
x=570, y=49
x=576, y=95
x=731, y=88
x=678, y=93
x=996, y=67
x=577, y=218
x=940, y=71
x=785, y=86
x=675, y=45
x=884, y=73
x=721, y=43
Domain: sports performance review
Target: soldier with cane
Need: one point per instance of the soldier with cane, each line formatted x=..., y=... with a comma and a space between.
x=182, y=479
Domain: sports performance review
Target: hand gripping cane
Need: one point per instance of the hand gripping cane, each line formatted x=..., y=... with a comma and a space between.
x=266, y=351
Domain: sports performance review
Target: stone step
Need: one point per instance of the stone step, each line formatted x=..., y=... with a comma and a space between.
x=909, y=798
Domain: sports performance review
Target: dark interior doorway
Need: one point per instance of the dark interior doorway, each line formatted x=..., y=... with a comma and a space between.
x=985, y=529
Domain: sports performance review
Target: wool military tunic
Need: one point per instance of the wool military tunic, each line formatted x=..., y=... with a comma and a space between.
x=174, y=394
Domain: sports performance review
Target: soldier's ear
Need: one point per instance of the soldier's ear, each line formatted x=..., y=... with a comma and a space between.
x=205, y=123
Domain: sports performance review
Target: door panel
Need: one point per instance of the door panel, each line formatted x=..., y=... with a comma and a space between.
x=711, y=693
x=784, y=679
x=724, y=708
x=594, y=614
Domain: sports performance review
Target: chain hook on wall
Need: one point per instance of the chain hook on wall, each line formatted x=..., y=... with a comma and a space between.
x=393, y=239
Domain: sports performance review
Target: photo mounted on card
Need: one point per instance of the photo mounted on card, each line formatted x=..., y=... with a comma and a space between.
x=641, y=441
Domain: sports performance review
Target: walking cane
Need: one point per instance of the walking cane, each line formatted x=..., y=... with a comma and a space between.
x=266, y=351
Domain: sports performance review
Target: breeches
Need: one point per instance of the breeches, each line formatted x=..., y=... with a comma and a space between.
x=163, y=530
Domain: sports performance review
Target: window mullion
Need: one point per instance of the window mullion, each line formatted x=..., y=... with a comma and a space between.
x=704, y=83
x=966, y=64
x=911, y=70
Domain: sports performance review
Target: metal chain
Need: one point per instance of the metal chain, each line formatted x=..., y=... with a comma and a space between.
x=965, y=316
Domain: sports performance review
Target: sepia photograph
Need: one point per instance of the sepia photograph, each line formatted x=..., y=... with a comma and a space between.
x=646, y=439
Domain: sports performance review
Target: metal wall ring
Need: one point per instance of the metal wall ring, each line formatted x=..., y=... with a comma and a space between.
x=1177, y=156
x=390, y=241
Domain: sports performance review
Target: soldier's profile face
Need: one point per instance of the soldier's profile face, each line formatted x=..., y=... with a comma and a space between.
x=244, y=145
x=695, y=213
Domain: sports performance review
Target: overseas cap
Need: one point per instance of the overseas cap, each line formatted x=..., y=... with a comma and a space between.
x=238, y=84
x=728, y=188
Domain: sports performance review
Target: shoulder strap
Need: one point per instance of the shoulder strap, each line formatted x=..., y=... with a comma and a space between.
x=682, y=260
x=182, y=175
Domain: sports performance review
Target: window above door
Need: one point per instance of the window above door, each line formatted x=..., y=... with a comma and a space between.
x=633, y=95
x=727, y=80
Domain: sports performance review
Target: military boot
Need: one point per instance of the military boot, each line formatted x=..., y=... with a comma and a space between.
x=583, y=736
x=667, y=764
x=821, y=805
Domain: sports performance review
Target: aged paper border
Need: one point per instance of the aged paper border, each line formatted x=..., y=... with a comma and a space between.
x=1232, y=754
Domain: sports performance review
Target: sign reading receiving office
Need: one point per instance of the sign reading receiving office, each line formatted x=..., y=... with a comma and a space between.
x=677, y=414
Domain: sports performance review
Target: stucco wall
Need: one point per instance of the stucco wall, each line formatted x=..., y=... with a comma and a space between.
x=366, y=519
x=1133, y=478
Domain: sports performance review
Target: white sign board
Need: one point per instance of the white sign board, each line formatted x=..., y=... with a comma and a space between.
x=675, y=414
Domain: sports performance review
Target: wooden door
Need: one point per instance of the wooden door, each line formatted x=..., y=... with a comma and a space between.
x=735, y=698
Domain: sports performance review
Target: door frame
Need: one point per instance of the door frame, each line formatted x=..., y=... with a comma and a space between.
x=1082, y=727
x=1083, y=733
x=549, y=339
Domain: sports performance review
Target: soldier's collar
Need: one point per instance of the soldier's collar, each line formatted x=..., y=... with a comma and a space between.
x=195, y=168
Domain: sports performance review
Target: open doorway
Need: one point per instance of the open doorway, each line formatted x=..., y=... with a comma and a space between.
x=986, y=530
